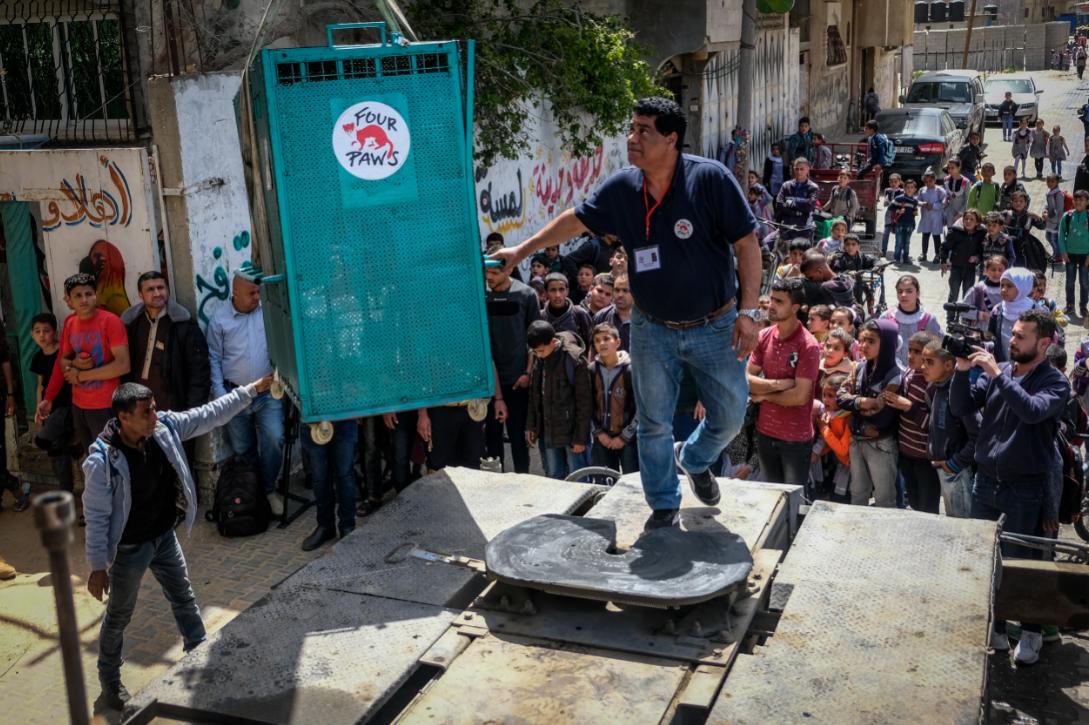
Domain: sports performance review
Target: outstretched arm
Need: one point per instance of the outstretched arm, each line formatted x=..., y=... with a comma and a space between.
x=565, y=226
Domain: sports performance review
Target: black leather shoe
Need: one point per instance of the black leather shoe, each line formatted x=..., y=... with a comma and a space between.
x=703, y=484
x=662, y=518
x=317, y=538
x=113, y=697
x=344, y=532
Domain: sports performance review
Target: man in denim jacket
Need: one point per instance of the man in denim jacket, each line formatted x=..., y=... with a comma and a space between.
x=137, y=489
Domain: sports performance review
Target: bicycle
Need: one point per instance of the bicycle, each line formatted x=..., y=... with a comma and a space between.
x=775, y=246
x=873, y=280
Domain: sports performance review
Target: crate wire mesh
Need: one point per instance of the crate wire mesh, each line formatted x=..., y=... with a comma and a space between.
x=381, y=302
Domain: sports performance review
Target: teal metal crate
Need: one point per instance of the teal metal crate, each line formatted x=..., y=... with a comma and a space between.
x=374, y=293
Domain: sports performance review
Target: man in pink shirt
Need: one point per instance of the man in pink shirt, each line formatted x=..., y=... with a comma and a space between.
x=781, y=371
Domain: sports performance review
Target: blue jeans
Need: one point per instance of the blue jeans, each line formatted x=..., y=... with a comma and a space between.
x=1007, y=127
x=903, y=243
x=257, y=435
x=560, y=461
x=1057, y=167
x=164, y=557
x=957, y=492
x=331, y=471
x=660, y=356
x=1022, y=503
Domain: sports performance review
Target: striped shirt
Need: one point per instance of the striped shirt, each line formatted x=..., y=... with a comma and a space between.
x=914, y=422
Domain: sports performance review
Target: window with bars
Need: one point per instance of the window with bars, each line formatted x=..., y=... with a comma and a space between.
x=55, y=73
x=837, y=53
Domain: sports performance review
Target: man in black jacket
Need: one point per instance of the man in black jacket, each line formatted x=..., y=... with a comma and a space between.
x=168, y=351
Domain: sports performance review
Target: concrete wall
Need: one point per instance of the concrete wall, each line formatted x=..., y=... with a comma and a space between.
x=97, y=212
x=994, y=48
x=776, y=95
x=196, y=128
x=829, y=85
x=517, y=197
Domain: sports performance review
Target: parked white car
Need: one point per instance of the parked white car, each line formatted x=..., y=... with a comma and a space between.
x=1025, y=95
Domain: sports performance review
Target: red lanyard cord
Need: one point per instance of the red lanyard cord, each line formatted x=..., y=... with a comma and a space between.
x=651, y=209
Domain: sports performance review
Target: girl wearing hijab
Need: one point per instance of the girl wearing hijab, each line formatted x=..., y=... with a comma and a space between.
x=1015, y=288
x=909, y=315
x=873, y=451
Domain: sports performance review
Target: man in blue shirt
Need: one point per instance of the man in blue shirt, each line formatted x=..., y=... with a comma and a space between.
x=237, y=352
x=689, y=236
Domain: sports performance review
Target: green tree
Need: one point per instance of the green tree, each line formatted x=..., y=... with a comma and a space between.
x=588, y=67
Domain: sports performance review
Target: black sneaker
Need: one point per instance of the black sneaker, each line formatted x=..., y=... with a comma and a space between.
x=22, y=502
x=112, y=697
x=662, y=518
x=703, y=484
x=318, y=537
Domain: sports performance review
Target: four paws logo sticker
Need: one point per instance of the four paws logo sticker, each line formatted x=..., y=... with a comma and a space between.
x=371, y=140
x=683, y=229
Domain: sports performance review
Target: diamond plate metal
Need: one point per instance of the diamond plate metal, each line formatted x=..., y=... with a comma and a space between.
x=887, y=621
x=515, y=680
x=455, y=511
x=747, y=509
x=302, y=655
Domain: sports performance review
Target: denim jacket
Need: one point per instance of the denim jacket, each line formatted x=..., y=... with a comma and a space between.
x=107, y=493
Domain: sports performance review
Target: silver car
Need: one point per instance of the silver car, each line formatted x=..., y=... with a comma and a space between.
x=1025, y=95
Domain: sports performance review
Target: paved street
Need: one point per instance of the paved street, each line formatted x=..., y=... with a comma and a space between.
x=230, y=574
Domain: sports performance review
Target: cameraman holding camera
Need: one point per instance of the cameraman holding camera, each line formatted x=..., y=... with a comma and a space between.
x=1021, y=403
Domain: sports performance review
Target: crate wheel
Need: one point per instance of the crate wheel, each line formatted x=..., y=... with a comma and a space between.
x=478, y=409
x=276, y=390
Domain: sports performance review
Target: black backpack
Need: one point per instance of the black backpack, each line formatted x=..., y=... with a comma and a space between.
x=240, y=507
x=1032, y=254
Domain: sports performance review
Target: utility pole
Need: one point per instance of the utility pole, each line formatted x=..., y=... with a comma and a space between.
x=968, y=37
x=745, y=72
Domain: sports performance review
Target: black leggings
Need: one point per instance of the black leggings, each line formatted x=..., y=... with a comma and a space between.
x=926, y=242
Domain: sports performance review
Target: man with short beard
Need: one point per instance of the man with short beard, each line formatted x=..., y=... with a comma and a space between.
x=1019, y=467
x=618, y=314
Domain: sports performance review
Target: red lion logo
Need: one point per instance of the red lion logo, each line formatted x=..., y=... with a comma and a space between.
x=373, y=134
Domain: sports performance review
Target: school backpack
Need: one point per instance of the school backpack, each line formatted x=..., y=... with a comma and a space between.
x=886, y=149
x=1068, y=201
x=1032, y=254
x=240, y=507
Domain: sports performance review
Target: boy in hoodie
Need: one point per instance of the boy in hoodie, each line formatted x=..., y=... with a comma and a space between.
x=137, y=489
x=823, y=286
x=951, y=441
x=560, y=399
x=1074, y=251
x=971, y=154
x=563, y=314
x=1016, y=454
x=613, y=421
x=873, y=451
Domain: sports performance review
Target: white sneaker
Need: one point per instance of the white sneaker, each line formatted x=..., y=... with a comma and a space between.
x=1028, y=648
x=276, y=504
x=999, y=641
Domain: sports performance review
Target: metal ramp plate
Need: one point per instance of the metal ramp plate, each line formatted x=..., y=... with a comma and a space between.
x=300, y=655
x=515, y=680
x=887, y=622
x=756, y=512
x=455, y=511
x=577, y=557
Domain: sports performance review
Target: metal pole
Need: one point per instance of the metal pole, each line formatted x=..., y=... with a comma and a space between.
x=968, y=37
x=54, y=514
x=745, y=71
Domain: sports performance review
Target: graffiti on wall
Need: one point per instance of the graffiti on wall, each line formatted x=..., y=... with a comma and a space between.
x=517, y=197
x=97, y=208
x=97, y=215
x=219, y=288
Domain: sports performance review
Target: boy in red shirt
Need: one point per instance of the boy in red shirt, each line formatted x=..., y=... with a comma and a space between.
x=781, y=372
x=94, y=354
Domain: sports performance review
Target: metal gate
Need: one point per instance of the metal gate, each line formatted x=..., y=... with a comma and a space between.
x=375, y=299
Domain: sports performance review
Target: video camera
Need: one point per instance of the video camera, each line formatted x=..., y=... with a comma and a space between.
x=961, y=338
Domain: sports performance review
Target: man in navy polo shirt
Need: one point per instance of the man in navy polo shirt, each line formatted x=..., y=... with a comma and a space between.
x=693, y=262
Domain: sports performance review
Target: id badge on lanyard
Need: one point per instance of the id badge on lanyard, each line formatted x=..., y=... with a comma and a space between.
x=649, y=257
